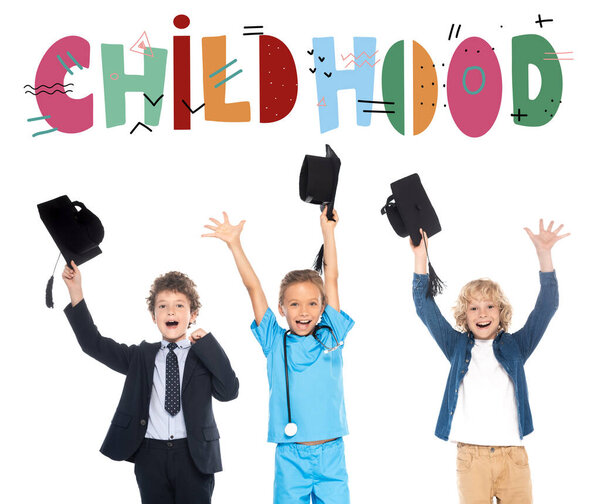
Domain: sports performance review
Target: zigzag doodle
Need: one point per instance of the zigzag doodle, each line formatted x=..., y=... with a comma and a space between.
x=353, y=61
x=354, y=58
x=357, y=57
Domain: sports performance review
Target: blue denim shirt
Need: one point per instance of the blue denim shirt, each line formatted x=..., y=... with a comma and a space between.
x=511, y=350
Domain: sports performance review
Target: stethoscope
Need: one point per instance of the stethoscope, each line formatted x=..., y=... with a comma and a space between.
x=291, y=428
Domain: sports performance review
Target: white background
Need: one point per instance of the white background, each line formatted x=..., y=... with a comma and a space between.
x=155, y=191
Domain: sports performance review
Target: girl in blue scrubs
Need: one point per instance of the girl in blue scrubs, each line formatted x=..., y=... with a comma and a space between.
x=307, y=415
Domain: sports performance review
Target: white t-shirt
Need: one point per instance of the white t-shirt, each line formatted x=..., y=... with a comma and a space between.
x=486, y=411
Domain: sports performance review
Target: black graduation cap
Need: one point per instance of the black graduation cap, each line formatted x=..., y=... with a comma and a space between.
x=76, y=231
x=408, y=209
x=318, y=185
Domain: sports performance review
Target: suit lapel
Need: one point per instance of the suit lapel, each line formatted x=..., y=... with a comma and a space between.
x=150, y=351
x=188, y=369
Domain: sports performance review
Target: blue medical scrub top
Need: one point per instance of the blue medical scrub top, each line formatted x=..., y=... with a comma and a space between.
x=316, y=383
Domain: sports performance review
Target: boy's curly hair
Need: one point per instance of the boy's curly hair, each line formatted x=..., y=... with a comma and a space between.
x=176, y=282
x=483, y=288
x=299, y=276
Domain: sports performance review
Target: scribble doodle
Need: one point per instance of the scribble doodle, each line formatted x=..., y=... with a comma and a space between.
x=370, y=111
x=362, y=63
x=322, y=102
x=381, y=102
x=226, y=79
x=311, y=52
x=223, y=68
x=256, y=27
x=559, y=59
x=312, y=70
x=541, y=21
x=153, y=102
x=139, y=124
x=41, y=118
x=64, y=64
x=55, y=91
x=457, y=31
x=190, y=108
x=141, y=45
x=44, y=132
x=74, y=60
x=518, y=115
x=48, y=87
x=328, y=75
x=321, y=58
x=356, y=58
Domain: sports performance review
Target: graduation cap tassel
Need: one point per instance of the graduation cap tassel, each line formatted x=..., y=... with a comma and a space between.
x=436, y=284
x=318, y=264
x=49, y=285
x=49, y=300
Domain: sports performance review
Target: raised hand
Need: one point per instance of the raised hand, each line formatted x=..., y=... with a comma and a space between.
x=72, y=277
x=420, y=253
x=544, y=241
x=546, y=238
x=225, y=231
x=326, y=224
x=196, y=335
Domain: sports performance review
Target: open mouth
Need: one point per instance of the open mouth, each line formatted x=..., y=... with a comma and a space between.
x=172, y=323
x=303, y=324
x=483, y=324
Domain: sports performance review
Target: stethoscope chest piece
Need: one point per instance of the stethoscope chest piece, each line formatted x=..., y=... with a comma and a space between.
x=290, y=429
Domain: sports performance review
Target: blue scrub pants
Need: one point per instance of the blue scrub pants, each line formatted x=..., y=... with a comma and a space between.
x=317, y=471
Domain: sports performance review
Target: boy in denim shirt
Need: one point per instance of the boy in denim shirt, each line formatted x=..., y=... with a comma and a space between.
x=485, y=408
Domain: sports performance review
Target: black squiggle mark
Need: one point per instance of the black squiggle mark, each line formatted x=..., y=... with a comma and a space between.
x=55, y=91
x=49, y=87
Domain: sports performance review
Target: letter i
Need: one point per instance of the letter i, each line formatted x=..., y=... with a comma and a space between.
x=181, y=75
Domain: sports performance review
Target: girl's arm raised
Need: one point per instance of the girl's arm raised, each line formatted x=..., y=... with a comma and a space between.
x=330, y=265
x=230, y=234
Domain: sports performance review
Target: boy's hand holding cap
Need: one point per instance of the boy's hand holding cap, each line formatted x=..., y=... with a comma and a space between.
x=76, y=231
x=409, y=211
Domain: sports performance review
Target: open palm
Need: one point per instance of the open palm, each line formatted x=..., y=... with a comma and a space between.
x=546, y=238
x=225, y=231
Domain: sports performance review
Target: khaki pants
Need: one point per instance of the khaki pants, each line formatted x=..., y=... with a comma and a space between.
x=484, y=472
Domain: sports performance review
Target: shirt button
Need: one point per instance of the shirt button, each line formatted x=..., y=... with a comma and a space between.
x=492, y=450
x=451, y=412
x=142, y=422
x=169, y=444
x=462, y=372
x=466, y=360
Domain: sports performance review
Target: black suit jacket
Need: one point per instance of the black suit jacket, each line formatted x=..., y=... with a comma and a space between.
x=207, y=373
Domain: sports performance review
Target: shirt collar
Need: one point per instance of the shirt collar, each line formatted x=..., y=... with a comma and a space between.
x=184, y=343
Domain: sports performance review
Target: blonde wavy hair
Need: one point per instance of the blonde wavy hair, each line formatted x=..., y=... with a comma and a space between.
x=482, y=288
x=299, y=276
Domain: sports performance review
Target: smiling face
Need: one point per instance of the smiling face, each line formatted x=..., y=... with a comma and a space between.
x=302, y=307
x=172, y=315
x=483, y=318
